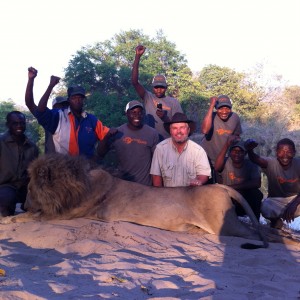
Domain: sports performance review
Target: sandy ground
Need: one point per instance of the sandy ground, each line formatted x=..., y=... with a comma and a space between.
x=87, y=259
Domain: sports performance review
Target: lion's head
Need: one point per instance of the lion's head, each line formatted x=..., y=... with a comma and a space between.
x=57, y=183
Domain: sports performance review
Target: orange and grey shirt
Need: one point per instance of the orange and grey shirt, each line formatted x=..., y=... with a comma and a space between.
x=218, y=134
x=169, y=104
x=134, y=150
x=72, y=135
x=282, y=183
x=232, y=175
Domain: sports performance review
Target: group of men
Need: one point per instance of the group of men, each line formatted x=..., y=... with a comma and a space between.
x=153, y=147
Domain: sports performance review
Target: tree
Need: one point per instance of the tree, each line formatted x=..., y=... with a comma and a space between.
x=5, y=108
x=291, y=96
x=244, y=93
x=104, y=69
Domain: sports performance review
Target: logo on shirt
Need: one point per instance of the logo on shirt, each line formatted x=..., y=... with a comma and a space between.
x=222, y=131
x=129, y=140
x=88, y=129
x=282, y=180
x=232, y=177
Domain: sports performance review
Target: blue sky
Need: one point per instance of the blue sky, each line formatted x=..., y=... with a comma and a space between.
x=234, y=33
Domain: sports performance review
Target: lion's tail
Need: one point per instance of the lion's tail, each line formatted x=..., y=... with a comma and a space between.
x=242, y=201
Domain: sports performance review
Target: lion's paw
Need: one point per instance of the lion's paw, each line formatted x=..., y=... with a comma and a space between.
x=8, y=220
x=20, y=218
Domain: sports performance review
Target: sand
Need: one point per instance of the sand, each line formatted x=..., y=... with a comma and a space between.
x=87, y=259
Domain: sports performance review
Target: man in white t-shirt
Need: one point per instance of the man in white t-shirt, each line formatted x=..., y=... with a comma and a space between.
x=178, y=161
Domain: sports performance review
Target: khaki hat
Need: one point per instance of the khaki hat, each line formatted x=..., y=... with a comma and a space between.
x=133, y=104
x=159, y=80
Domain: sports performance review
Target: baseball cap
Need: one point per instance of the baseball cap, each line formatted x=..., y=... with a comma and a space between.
x=76, y=90
x=239, y=144
x=159, y=80
x=223, y=100
x=133, y=104
x=58, y=100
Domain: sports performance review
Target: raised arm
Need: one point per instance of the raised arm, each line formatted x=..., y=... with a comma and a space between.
x=207, y=121
x=220, y=161
x=250, y=145
x=54, y=80
x=139, y=51
x=29, y=100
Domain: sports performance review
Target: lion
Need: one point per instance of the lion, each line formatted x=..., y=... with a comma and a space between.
x=67, y=187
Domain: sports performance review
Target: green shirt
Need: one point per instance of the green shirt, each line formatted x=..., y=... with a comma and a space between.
x=14, y=160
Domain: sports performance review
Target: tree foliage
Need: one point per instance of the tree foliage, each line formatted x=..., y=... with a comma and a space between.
x=215, y=80
x=104, y=69
x=5, y=108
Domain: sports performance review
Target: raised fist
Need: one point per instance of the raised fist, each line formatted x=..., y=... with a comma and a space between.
x=54, y=80
x=32, y=72
x=140, y=49
x=213, y=100
x=250, y=144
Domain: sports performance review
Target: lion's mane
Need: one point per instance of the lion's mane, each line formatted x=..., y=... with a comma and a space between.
x=57, y=183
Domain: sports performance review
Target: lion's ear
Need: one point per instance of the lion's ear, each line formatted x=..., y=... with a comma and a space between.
x=44, y=174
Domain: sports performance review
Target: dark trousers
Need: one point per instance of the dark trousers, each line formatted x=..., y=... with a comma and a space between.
x=8, y=200
x=9, y=197
x=254, y=198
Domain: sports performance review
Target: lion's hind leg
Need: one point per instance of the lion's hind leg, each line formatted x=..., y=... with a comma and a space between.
x=232, y=226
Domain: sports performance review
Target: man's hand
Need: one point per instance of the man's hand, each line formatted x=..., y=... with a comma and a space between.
x=213, y=101
x=195, y=182
x=112, y=131
x=32, y=72
x=54, y=80
x=232, y=139
x=139, y=50
x=289, y=213
x=160, y=113
x=250, y=144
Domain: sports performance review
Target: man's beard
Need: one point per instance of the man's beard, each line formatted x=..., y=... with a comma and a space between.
x=181, y=140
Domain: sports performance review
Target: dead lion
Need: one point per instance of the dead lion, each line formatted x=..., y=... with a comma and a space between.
x=66, y=187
